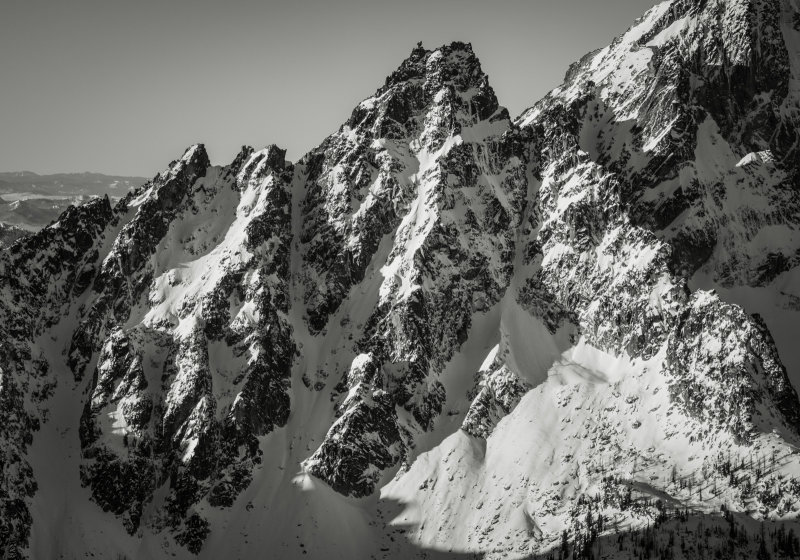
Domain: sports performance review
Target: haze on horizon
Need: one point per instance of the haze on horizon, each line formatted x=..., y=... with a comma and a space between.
x=124, y=87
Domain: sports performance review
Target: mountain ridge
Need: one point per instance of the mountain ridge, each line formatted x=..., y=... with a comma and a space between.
x=385, y=319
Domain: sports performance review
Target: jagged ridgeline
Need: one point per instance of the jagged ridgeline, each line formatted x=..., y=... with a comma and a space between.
x=443, y=330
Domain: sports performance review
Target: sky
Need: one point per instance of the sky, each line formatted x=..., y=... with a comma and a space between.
x=123, y=87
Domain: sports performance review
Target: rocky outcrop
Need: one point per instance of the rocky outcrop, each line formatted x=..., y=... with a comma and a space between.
x=166, y=407
x=449, y=193
x=40, y=277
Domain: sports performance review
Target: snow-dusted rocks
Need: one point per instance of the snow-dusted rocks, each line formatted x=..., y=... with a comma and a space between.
x=673, y=105
x=498, y=391
x=426, y=160
x=718, y=345
x=637, y=197
x=39, y=278
x=189, y=315
x=524, y=334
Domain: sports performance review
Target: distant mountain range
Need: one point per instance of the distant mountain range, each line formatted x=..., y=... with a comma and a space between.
x=29, y=201
x=67, y=184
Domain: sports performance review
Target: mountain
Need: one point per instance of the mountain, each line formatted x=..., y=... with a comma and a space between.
x=443, y=332
x=67, y=184
x=29, y=201
x=32, y=214
x=9, y=234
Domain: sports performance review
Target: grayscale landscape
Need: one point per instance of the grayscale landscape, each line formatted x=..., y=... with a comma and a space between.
x=446, y=331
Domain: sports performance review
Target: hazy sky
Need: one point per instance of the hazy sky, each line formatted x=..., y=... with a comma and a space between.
x=122, y=86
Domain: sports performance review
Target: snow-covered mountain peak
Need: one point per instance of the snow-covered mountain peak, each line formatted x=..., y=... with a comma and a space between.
x=195, y=157
x=497, y=338
x=448, y=81
x=676, y=103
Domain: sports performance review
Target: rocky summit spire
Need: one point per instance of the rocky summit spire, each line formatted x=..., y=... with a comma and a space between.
x=396, y=175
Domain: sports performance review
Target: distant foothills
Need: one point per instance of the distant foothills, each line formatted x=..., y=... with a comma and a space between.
x=29, y=201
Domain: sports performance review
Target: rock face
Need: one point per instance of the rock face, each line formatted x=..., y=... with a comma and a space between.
x=424, y=167
x=514, y=327
x=39, y=276
x=188, y=326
